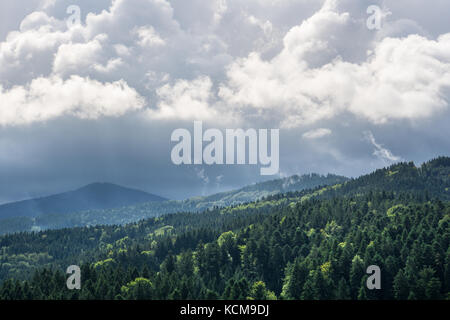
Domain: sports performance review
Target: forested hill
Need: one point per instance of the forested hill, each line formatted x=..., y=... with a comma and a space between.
x=313, y=244
x=431, y=179
x=121, y=214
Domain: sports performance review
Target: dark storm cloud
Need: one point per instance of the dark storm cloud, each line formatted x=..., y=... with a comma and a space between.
x=66, y=154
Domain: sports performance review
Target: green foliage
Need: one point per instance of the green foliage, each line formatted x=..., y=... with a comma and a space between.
x=283, y=246
x=138, y=289
x=260, y=292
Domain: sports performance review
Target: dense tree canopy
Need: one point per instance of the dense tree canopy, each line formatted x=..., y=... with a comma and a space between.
x=314, y=244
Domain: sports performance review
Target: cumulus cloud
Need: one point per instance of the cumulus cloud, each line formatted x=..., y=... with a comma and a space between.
x=148, y=37
x=317, y=74
x=187, y=100
x=327, y=64
x=47, y=98
x=29, y=52
x=308, y=81
x=79, y=57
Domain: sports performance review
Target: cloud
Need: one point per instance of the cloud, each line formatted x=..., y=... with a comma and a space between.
x=381, y=152
x=187, y=100
x=202, y=175
x=309, y=80
x=317, y=133
x=142, y=68
x=79, y=57
x=317, y=74
x=48, y=98
x=148, y=37
x=30, y=51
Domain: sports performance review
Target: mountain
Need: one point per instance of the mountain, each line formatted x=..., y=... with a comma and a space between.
x=312, y=244
x=431, y=179
x=257, y=191
x=137, y=210
x=92, y=196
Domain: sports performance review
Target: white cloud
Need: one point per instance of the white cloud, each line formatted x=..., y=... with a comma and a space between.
x=265, y=26
x=320, y=70
x=202, y=175
x=30, y=52
x=122, y=50
x=380, y=152
x=308, y=81
x=317, y=133
x=48, y=98
x=125, y=15
x=111, y=65
x=148, y=37
x=37, y=20
x=79, y=57
x=187, y=100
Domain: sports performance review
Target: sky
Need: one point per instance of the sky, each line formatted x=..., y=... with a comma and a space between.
x=351, y=85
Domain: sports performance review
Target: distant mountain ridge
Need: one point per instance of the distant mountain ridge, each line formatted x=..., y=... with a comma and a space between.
x=259, y=190
x=121, y=214
x=89, y=197
x=431, y=179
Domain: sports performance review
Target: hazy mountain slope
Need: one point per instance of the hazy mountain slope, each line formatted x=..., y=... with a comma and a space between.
x=258, y=190
x=431, y=179
x=125, y=214
x=92, y=196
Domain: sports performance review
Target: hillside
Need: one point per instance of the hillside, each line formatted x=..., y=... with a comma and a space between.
x=259, y=190
x=431, y=179
x=121, y=214
x=92, y=196
x=312, y=244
